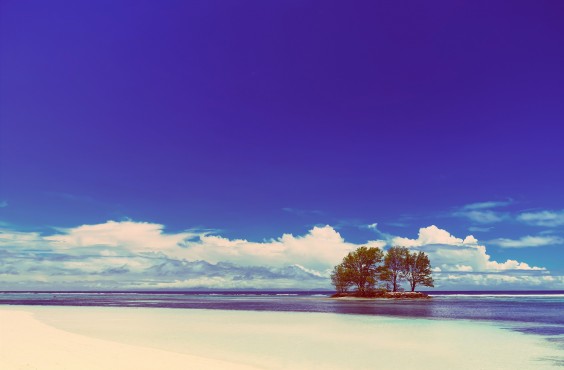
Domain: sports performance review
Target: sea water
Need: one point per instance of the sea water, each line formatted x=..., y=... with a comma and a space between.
x=533, y=312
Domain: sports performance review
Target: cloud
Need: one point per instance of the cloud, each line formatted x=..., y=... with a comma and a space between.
x=320, y=249
x=543, y=218
x=433, y=235
x=528, y=241
x=397, y=224
x=132, y=255
x=373, y=226
x=483, y=212
x=487, y=205
x=3, y=204
x=19, y=239
x=137, y=236
x=386, y=237
x=483, y=217
x=143, y=254
x=452, y=254
x=479, y=228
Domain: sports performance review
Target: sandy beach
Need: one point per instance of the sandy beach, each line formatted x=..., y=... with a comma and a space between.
x=151, y=338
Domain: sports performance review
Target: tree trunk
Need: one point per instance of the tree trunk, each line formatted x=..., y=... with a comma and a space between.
x=360, y=288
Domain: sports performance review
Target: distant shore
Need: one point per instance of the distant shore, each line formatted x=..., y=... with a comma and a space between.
x=382, y=295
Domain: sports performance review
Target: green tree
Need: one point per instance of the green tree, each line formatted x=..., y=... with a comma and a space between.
x=359, y=268
x=418, y=270
x=395, y=267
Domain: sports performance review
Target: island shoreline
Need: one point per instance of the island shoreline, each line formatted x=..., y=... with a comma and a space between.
x=381, y=295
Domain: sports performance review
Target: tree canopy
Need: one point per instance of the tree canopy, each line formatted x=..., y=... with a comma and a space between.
x=359, y=268
x=418, y=270
x=365, y=267
x=395, y=267
x=341, y=279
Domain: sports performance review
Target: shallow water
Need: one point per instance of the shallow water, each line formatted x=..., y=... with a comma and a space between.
x=533, y=312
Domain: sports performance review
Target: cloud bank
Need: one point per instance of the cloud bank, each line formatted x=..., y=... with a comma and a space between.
x=142, y=255
x=464, y=263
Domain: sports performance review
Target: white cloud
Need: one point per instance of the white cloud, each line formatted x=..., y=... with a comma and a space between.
x=483, y=212
x=528, y=241
x=479, y=229
x=543, y=218
x=136, y=236
x=463, y=268
x=483, y=217
x=19, y=238
x=128, y=254
x=457, y=254
x=309, y=271
x=320, y=249
x=430, y=235
x=487, y=205
x=136, y=246
x=397, y=224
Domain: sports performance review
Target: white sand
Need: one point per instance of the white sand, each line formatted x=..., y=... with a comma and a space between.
x=148, y=338
x=26, y=343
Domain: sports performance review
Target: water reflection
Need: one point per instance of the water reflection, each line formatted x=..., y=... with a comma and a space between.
x=422, y=308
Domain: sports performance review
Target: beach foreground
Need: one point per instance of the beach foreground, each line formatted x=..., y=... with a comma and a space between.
x=149, y=338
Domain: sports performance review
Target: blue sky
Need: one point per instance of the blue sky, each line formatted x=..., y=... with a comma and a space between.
x=255, y=143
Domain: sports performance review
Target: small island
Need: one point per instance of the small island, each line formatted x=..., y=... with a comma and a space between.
x=373, y=274
x=383, y=294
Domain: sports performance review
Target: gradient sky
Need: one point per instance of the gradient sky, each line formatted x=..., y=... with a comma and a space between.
x=213, y=128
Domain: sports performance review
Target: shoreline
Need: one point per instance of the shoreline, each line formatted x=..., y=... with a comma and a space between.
x=382, y=295
x=49, y=337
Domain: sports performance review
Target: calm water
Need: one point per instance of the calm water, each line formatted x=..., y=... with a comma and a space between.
x=534, y=312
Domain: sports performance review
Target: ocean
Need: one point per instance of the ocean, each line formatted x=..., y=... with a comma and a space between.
x=530, y=312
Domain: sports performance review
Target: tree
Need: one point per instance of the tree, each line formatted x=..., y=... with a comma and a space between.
x=341, y=279
x=395, y=267
x=359, y=268
x=418, y=270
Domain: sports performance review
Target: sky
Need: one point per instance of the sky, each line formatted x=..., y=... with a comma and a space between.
x=253, y=144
